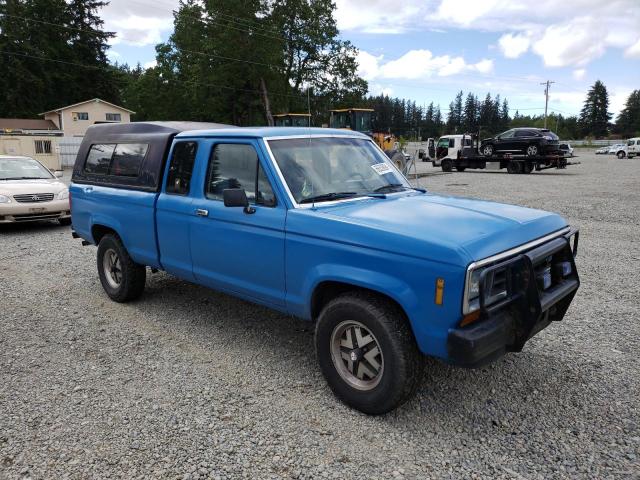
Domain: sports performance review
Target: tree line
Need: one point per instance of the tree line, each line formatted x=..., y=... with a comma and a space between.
x=239, y=62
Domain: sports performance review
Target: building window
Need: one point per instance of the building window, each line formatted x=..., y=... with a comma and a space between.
x=43, y=147
x=114, y=117
x=80, y=115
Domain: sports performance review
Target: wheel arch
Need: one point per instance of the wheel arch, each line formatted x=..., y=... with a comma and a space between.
x=327, y=289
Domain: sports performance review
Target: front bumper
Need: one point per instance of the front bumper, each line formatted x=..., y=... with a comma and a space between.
x=508, y=324
x=30, y=212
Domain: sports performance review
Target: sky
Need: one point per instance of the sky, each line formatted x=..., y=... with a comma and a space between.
x=429, y=50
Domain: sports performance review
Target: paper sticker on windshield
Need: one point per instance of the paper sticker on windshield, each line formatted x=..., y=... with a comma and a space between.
x=382, y=168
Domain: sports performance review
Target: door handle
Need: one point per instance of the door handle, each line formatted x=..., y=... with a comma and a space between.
x=88, y=189
x=201, y=212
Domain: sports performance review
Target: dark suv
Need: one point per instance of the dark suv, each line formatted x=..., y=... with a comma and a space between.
x=531, y=142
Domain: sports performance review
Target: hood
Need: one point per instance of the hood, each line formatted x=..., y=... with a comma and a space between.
x=432, y=225
x=21, y=187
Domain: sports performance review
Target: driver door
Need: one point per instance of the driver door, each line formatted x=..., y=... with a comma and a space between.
x=505, y=141
x=235, y=250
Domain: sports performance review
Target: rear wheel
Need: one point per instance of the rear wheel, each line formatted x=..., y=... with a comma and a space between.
x=447, y=165
x=487, y=150
x=121, y=277
x=621, y=154
x=514, y=167
x=367, y=352
x=532, y=150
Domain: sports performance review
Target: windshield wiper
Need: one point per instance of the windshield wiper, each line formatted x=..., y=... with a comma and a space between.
x=396, y=187
x=23, y=178
x=328, y=196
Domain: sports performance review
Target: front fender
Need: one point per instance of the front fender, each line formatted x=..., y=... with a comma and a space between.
x=382, y=283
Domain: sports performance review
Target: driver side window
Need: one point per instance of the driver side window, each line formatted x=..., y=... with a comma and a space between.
x=235, y=165
x=507, y=134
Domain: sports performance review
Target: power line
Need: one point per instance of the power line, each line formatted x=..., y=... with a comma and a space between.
x=97, y=67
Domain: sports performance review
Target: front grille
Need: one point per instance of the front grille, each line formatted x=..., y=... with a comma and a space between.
x=33, y=197
x=35, y=216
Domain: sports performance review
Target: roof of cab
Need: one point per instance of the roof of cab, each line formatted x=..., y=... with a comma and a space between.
x=271, y=132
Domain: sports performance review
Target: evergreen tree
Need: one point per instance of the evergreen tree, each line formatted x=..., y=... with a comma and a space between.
x=470, y=114
x=628, y=123
x=504, y=116
x=595, y=115
x=53, y=54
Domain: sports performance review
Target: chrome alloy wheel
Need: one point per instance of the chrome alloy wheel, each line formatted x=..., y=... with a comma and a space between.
x=112, y=268
x=532, y=150
x=356, y=354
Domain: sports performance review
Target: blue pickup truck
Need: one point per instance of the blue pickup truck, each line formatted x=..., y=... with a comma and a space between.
x=319, y=224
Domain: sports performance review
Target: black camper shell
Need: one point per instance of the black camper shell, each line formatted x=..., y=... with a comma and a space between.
x=152, y=141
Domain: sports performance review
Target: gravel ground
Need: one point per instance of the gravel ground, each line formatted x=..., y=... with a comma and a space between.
x=189, y=383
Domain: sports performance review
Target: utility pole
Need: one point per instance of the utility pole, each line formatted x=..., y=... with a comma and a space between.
x=546, y=99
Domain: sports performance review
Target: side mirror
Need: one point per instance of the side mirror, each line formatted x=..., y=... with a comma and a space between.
x=237, y=197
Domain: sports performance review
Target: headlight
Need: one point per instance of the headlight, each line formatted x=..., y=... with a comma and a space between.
x=547, y=137
x=63, y=195
x=495, y=288
x=4, y=199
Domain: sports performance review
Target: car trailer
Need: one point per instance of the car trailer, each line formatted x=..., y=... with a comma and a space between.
x=470, y=157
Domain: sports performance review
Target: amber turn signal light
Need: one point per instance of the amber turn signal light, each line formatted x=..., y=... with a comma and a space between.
x=470, y=318
x=439, y=290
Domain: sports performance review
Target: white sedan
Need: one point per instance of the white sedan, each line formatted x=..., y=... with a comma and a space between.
x=30, y=192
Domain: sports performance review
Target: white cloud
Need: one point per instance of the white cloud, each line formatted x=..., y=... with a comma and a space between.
x=417, y=64
x=150, y=64
x=633, y=51
x=579, y=73
x=570, y=33
x=512, y=46
x=576, y=42
x=139, y=24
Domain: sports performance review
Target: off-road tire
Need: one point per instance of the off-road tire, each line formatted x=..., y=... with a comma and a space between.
x=402, y=362
x=133, y=275
x=514, y=167
x=446, y=165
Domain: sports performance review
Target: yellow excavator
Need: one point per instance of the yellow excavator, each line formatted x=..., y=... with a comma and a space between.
x=361, y=120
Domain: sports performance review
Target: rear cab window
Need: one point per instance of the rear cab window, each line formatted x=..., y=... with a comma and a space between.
x=181, y=168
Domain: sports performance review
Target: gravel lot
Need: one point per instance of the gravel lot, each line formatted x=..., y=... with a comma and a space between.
x=189, y=383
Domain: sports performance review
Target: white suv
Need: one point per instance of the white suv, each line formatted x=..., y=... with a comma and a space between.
x=633, y=147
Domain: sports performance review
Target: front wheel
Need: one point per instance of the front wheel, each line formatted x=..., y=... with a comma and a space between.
x=487, y=150
x=621, y=155
x=367, y=352
x=532, y=150
x=446, y=165
x=121, y=277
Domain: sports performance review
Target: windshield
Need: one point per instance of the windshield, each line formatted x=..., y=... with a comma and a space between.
x=21, y=169
x=323, y=169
